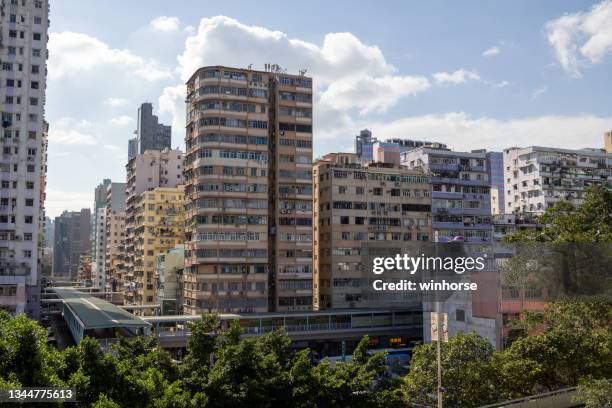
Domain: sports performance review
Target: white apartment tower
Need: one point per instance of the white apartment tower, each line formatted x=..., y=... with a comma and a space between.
x=535, y=178
x=23, y=55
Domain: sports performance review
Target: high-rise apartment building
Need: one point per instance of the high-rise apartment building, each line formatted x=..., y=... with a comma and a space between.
x=461, y=201
x=150, y=134
x=147, y=171
x=359, y=204
x=248, y=191
x=114, y=256
x=98, y=235
x=159, y=226
x=72, y=239
x=538, y=177
x=23, y=55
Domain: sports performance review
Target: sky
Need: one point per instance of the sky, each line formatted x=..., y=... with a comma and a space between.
x=473, y=75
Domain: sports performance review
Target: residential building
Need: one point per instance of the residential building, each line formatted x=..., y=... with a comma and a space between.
x=608, y=142
x=495, y=169
x=461, y=201
x=356, y=205
x=368, y=146
x=23, y=52
x=72, y=238
x=159, y=226
x=48, y=228
x=538, y=177
x=248, y=191
x=84, y=275
x=170, y=266
x=114, y=256
x=98, y=235
x=150, y=134
x=147, y=171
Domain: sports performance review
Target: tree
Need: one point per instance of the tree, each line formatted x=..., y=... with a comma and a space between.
x=595, y=393
x=469, y=375
x=564, y=222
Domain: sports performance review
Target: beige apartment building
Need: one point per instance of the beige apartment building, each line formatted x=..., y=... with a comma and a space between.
x=356, y=205
x=248, y=191
x=159, y=226
x=147, y=171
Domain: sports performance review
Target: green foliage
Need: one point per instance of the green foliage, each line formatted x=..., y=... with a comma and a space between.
x=222, y=369
x=469, y=375
x=563, y=222
x=595, y=393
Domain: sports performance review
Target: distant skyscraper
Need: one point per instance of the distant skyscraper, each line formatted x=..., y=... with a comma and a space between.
x=23, y=51
x=72, y=238
x=150, y=134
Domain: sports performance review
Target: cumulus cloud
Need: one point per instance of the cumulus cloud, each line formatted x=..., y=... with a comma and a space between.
x=115, y=102
x=220, y=38
x=491, y=52
x=71, y=52
x=582, y=38
x=165, y=23
x=348, y=74
x=539, y=92
x=122, y=120
x=458, y=77
x=372, y=94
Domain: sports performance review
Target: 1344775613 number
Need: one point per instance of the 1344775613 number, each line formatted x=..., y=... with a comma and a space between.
x=37, y=394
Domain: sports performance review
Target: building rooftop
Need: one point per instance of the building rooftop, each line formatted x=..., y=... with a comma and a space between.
x=95, y=313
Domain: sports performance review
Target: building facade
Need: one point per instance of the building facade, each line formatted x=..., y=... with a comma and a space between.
x=98, y=235
x=114, y=255
x=150, y=134
x=538, y=177
x=72, y=239
x=461, y=200
x=355, y=205
x=495, y=168
x=248, y=191
x=23, y=51
x=147, y=171
x=170, y=265
x=159, y=226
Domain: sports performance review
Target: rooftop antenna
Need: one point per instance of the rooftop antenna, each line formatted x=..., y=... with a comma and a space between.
x=250, y=65
x=303, y=71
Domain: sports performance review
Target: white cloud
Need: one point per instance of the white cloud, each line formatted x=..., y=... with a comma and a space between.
x=70, y=137
x=539, y=92
x=115, y=102
x=58, y=201
x=502, y=84
x=111, y=147
x=122, y=120
x=490, y=52
x=462, y=132
x=165, y=23
x=172, y=100
x=458, y=77
x=71, y=52
x=348, y=74
x=582, y=38
x=221, y=38
x=372, y=94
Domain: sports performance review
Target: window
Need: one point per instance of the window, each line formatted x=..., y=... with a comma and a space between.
x=37, y=20
x=344, y=220
x=35, y=69
x=27, y=236
x=28, y=219
x=460, y=315
x=36, y=36
x=29, y=202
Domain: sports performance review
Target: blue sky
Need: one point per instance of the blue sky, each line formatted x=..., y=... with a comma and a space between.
x=476, y=74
